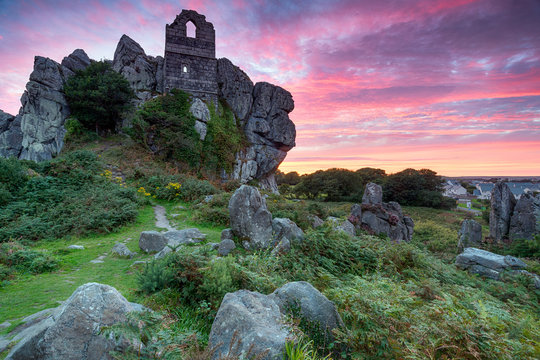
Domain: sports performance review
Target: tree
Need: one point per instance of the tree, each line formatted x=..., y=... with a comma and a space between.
x=97, y=96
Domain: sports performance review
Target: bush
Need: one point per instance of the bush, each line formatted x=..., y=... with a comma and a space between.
x=14, y=256
x=97, y=96
x=66, y=196
x=166, y=126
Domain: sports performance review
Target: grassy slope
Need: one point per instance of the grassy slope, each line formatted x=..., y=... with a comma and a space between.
x=435, y=231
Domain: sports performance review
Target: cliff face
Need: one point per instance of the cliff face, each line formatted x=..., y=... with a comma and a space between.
x=261, y=110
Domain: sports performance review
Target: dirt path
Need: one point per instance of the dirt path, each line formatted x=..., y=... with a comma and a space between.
x=161, y=219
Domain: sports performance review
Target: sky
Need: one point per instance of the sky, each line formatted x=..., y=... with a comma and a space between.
x=449, y=85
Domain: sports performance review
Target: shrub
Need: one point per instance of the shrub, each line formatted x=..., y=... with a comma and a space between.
x=97, y=96
x=66, y=196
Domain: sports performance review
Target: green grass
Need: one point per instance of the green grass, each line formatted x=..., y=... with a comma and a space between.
x=28, y=294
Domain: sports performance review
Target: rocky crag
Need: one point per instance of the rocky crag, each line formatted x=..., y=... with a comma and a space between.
x=377, y=217
x=261, y=110
x=510, y=219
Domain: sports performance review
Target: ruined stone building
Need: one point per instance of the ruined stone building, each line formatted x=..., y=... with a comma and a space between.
x=190, y=62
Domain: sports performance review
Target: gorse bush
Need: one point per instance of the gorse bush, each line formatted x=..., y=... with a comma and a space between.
x=16, y=257
x=63, y=196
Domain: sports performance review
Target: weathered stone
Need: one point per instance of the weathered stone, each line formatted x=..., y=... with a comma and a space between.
x=282, y=247
x=76, y=61
x=377, y=217
x=200, y=111
x=342, y=225
x=372, y=194
x=225, y=247
x=190, y=62
x=314, y=307
x=525, y=221
x=235, y=87
x=255, y=321
x=502, y=206
x=10, y=135
x=176, y=238
x=44, y=110
x=315, y=221
x=122, y=250
x=152, y=241
x=470, y=234
x=141, y=71
x=250, y=220
x=227, y=234
x=72, y=332
x=473, y=256
x=286, y=228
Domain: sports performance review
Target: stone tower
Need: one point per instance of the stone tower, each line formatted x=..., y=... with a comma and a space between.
x=190, y=62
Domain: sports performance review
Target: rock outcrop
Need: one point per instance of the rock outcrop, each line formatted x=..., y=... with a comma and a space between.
x=72, y=330
x=525, y=221
x=262, y=109
x=492, y=265
x=470, y=234
x=236, y=88
x=122, y=250
x=76, y=61
x=377, y=217
x=10, y=135
x=44, y=110
x=250, y=220
x=502, y=207
x=254, y=325
x=144, y=73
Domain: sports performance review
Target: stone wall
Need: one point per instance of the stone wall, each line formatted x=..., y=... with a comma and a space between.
x=190, y=63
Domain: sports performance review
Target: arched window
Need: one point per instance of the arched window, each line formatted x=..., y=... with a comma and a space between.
x=190, y=29
x=184, y=68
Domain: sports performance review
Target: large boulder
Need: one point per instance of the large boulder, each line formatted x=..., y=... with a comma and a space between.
x=73, y=332
x=525, y=221
x=250, y=220
x=258, y=326
x=486, y=263
x=470, y=234
x=378, y=217
x=10, y=135
x=342, y=225
x=251, y=325
x=302, y=299
x=502, y=207
x=144, y=73
x=152, y=241
x=284, y=228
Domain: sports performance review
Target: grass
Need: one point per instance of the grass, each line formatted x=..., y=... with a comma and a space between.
x=28, y=294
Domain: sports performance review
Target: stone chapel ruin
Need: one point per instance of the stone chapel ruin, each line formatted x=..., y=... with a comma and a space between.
x=190, y=63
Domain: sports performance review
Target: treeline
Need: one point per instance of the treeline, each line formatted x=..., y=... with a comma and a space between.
x=408, y=187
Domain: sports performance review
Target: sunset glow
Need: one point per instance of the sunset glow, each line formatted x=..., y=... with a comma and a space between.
x=449, y=85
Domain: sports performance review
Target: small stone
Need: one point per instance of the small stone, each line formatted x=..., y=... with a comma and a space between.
x=76, y=247
x=225, y=247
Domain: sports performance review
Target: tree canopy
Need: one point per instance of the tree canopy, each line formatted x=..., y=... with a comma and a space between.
x=97, y=96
